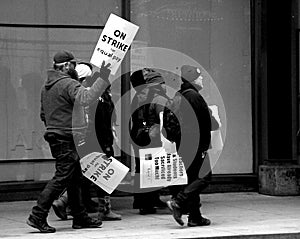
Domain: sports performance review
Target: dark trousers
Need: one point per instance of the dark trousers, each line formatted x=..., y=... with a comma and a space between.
x=188, y=196
x=67, y=175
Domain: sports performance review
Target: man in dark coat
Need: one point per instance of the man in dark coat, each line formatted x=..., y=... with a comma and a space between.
x=195, y=140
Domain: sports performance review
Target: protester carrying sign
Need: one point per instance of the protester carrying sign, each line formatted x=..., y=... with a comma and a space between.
x=186, y=198
x=99, y=137
x=58, y=97
x=147, y=104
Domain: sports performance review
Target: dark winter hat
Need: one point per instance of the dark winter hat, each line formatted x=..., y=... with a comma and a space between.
x=63, y=56
x=153, y=77
x=190, y=73
x=137, y=78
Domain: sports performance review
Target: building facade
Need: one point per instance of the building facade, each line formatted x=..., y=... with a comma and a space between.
x=249, y=56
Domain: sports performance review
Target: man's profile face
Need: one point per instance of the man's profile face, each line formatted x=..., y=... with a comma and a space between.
x=70, y=68
x=199, y=82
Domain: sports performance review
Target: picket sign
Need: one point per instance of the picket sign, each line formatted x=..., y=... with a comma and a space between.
x=105, y=172
x=160, y=169
x=114, y=42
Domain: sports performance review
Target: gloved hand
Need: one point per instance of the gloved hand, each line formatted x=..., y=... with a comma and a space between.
x=103, y=74
x=105, y=71
x=109, y=151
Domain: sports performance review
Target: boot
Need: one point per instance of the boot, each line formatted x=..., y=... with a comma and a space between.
x=105, y=212
x=40, y=224
x=85, y=222
x=60, y=207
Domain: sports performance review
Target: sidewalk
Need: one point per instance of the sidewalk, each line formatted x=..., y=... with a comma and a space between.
x=233, y=215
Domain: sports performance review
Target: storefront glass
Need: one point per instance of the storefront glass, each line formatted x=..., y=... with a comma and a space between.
x=215, y=34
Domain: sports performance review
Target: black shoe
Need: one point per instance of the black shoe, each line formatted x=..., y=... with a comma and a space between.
x=175, y=209
x=60, y=209
x=85, y=222
x=145, y=211
x=40, y=224
x=198, y=222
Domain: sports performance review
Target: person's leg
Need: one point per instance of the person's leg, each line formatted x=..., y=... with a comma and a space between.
x=90, y=205
x=188, y=194
x=60, y=150
x=67, y=173
x=105, y=211
x=195, y=217
x=60, y=206
x=143, y=199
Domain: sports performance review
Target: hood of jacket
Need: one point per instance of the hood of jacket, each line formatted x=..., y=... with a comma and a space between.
x=187, y=85
x=53, y=77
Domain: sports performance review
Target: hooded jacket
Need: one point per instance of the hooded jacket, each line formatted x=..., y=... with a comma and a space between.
x=63, y=100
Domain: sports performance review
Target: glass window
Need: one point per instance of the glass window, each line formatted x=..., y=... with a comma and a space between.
x=58, y=12
x=25, y=55
x=214, y=35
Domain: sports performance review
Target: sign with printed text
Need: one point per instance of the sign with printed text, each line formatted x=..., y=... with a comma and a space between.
x=114, y=42
x=105, y=172
x=161, y=169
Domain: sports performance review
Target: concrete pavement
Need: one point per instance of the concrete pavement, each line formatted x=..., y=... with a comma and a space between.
x=233, y=215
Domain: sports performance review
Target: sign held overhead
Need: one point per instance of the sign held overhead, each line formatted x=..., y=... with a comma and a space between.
x=114, y=42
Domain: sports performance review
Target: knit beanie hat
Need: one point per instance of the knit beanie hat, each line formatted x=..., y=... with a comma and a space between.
x=83, y=70
x=153, y=77
x=137, y=78
x=190, y=73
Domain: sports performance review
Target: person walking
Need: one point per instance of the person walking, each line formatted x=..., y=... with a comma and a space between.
x=62, y=111
x=99, y=137
x=192, y=147
x=147, y=104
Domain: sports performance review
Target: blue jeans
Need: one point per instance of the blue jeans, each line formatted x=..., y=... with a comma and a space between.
x=67, y=175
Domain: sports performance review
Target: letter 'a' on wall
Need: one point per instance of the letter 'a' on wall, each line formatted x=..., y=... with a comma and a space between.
x=216, y=34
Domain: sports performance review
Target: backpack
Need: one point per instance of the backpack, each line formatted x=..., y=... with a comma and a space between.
x=172, y=117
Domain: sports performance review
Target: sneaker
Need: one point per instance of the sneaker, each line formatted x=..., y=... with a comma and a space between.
x=145, y=211
x=175, y=209
x=198, y=222
x=40, y=224
x=59, y=209
x=110, y=216
x=85, y=222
